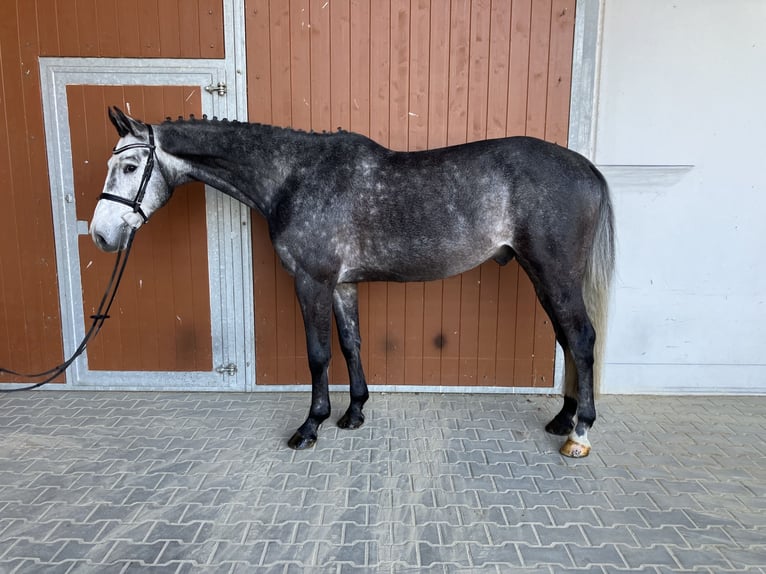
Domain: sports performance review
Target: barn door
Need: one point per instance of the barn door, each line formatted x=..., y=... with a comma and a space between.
x=178, y=319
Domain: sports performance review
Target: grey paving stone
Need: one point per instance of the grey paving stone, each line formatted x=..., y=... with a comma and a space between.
x=647, y=556
x=190, y=483
x=554, y=556
x=584, y=557
x=700, y=558
x=550, y=535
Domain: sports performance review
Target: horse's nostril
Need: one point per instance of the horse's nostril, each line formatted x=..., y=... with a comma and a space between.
x=100, y=241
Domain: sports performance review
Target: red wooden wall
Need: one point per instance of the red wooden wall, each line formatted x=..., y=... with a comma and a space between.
x=413, y=74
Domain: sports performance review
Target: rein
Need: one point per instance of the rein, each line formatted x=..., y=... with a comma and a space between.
x=102, y=313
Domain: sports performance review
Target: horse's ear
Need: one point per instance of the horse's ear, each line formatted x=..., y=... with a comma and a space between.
x=123, y=123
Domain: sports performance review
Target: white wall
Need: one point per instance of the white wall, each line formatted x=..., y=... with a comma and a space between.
x=683, y=82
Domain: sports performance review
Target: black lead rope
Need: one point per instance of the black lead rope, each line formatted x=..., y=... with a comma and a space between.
x=102, y=314
x=98, y=318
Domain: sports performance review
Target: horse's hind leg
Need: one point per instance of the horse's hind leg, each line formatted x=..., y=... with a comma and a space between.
x=575, y=332
x=346, y=310
x=564, y=422
x=315, y=299
x=580, y=340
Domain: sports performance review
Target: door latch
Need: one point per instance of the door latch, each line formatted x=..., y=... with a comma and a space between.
x=230, y=369
x=220, y=88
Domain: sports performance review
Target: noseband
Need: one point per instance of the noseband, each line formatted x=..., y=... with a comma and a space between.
x=135, y=203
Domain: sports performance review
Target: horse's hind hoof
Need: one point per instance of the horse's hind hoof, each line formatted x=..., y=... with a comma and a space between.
x=574, y=449
x=300, y=442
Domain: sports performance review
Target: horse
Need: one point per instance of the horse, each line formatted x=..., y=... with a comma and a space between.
x=342, y=209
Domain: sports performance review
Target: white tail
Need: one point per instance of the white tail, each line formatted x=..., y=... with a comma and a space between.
x=598, y=279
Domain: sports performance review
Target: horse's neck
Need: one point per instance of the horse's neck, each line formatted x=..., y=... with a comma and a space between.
x=241, y=160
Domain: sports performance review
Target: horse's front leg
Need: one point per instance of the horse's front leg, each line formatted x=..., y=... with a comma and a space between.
x=315, y=299
x=345, y=305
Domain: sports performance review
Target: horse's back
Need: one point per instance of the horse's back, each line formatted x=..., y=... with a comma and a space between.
x=411, y=216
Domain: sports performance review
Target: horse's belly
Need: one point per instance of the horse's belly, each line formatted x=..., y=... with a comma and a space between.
x=416, y=265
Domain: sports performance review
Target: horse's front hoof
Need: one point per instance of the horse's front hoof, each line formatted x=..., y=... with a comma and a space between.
x=574, y=449
x=350, y=422
x=559, y=427
x=300, y=442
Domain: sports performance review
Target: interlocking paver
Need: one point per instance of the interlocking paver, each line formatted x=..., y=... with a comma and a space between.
x=191, y=483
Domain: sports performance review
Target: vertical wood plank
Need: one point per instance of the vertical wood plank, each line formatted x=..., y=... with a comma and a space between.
x=300, y=63
x=400, y=74
x=488, y=324
x=560, y=71
x=507, y=312
x=210, y=28
x=169, y=29
x=396, y=310
x=380, y=66
x=48, y=31
x=258, y=49
x=460, y=46
x=87, y=27
x=108, y=27
x=537, y=90
x=189, y=26
x=433, y=337
x=340, y=58
x=438, y=74
x=321, y=90
x=413, y=327
x=417, y=108
x=499, y=68
x=14, y=349
x=519, y=68
x=279, y=48
x=66, y=19
x=129, y=35
x=450, y=332
x=149, y=29
x=478, y=72
x=360, y=67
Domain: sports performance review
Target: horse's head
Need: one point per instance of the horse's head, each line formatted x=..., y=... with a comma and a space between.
x=134, y=188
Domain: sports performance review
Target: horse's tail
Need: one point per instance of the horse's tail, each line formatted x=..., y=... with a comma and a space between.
x=598, y=276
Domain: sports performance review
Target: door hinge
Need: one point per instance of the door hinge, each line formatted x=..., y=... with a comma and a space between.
x=230, y=369
x=220, y=88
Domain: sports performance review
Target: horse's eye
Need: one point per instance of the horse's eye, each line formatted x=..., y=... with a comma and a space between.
x=129, y=169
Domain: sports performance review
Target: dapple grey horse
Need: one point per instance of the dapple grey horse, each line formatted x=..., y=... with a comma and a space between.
x=342, y=209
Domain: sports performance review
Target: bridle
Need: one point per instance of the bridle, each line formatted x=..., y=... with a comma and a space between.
x=102, y=313
x=135, y=203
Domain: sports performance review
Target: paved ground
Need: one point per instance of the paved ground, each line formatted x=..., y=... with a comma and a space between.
x=163, y=482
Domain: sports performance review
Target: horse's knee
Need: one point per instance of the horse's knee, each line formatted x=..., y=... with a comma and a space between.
x=319, y=359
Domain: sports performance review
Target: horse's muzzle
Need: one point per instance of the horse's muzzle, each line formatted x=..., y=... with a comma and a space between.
x=110, y=242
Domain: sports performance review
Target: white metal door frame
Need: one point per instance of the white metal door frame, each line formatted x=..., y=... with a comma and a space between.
x=228, y=221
